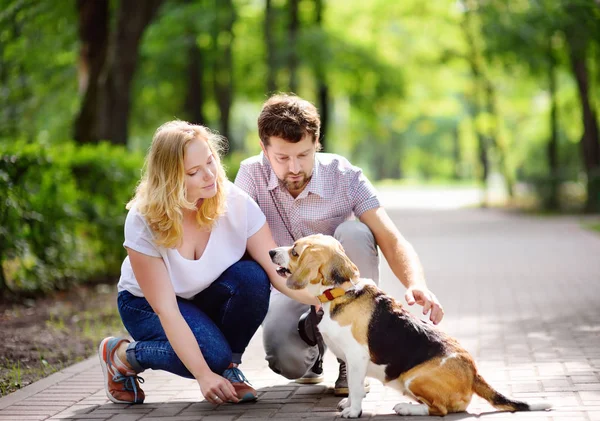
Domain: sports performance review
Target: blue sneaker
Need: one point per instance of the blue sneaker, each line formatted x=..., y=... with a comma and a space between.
x=244, y=391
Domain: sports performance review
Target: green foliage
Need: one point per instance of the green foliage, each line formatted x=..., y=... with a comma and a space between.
x=105, y=178
x=62, y=214
x=231, y=162
x=37, y=218
x=38, y=69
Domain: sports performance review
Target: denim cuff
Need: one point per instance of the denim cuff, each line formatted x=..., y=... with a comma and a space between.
x=236, y=358
x=133, y=362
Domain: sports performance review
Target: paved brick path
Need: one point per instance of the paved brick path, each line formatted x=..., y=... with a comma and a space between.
x=521, y=293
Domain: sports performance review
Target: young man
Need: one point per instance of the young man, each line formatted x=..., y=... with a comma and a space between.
x=304, y=192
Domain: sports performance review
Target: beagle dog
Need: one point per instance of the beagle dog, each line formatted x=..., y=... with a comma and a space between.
x=378, y=338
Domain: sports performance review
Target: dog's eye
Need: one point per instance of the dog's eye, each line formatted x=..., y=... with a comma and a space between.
x=294, y=253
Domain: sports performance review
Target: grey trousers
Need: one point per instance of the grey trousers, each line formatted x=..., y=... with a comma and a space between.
x=287, y=353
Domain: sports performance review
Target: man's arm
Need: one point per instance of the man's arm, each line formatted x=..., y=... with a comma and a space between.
x=404, y=262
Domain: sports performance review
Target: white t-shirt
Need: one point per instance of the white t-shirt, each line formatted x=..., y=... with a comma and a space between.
x=226, y=245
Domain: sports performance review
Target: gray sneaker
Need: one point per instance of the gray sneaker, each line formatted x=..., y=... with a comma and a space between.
x=341, y=384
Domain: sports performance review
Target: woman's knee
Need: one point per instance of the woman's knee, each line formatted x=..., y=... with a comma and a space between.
x=214, y=346
x=218, y=359
x=248, y=283
x=251, y=278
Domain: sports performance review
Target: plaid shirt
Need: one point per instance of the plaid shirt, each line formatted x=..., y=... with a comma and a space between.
x=336, y=190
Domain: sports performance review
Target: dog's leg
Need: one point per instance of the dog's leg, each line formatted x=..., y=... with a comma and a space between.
x=356, y=365
x=406, y=408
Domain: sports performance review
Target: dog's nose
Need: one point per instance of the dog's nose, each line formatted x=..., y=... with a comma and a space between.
x=272, y=253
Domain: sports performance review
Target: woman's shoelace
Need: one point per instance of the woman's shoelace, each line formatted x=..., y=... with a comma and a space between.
x=235, y=375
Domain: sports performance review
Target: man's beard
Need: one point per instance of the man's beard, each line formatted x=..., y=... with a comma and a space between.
x=296, y=185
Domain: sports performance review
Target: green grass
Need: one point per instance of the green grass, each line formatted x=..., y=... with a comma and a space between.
x=73, y=325
x=12, y=379
x=593, y=226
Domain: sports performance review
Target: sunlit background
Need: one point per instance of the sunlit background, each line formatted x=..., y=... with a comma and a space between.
x=496, y=96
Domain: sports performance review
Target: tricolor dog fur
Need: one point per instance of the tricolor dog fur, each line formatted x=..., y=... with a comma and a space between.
x=376, y=337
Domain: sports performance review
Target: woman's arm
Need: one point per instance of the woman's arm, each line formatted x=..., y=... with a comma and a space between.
x=258, y=246
x=154, y=281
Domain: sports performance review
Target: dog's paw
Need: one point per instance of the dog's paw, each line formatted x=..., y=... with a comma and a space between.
x=343, y=404
x=411, y=409
x=351, y=413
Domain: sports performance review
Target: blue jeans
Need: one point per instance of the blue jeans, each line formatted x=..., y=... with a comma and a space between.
x=223, y=318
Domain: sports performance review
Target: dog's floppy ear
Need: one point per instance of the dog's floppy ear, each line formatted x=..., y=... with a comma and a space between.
x=307, y=271
x=338, y=269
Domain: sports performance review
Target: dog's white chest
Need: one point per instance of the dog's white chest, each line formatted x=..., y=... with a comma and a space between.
x=339, y=339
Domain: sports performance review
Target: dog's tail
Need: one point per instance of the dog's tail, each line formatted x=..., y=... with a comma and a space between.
x=499, y=401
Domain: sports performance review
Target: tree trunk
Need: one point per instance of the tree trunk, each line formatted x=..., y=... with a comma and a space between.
x=495, y=140
x=293, y=45
x=223, y=67
x=456, y=153
x=93, y=35
x=590, y=146
x=475, y=107
x=195, y=94
x=132, y=20
x=270, y=47
x=552, y=147
x=321, y=76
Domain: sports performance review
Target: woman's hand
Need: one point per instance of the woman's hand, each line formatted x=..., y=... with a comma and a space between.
x=258, y=246
x=217, y=389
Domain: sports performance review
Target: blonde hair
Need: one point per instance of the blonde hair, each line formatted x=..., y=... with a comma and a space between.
x=160, y=194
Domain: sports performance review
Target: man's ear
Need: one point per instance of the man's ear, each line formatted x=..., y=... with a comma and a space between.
x=307, y=271
x=264, y=148
x=318, y=146
x=339, y=269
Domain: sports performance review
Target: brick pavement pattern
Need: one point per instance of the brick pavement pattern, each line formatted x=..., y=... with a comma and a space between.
x=520, y=293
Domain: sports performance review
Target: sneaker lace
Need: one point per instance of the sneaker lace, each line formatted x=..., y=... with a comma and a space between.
x=342, y=371
x=235, y=375
x=129, y=382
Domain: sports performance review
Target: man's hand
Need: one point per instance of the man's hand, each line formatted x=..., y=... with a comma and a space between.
x=428, y=300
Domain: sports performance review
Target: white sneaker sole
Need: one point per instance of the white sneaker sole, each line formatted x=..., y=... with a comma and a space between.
x=310, y=380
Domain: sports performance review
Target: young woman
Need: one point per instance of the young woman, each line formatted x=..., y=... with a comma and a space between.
x=185, y=296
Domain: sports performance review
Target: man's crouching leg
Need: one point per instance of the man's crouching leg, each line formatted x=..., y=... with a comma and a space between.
x=360, y=246
x=286, y=352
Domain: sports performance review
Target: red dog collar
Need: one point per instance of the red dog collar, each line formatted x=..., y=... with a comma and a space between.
x=331, y=294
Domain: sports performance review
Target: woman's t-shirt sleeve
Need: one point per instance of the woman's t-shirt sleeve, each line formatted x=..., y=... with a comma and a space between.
x=138, y=235
x=256, y=217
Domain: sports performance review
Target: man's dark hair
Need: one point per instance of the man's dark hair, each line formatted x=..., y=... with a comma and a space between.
x=288, y=117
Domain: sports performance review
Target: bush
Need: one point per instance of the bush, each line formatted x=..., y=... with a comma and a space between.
x=62, y=213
